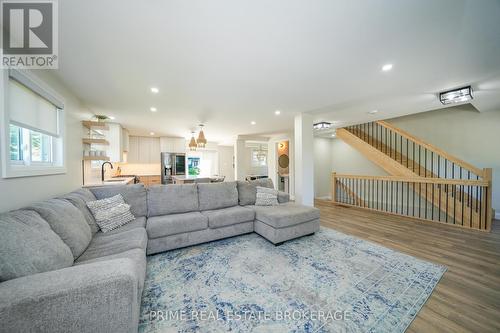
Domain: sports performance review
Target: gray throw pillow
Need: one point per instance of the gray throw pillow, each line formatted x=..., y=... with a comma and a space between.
x=111, y=213
x=266, y=197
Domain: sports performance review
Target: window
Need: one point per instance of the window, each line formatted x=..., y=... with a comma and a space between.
x=32, y=133
x=38, y=147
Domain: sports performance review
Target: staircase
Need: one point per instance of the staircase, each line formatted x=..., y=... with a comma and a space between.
x=425, y=182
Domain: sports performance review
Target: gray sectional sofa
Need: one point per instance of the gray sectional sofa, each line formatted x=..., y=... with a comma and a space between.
x=59, y=273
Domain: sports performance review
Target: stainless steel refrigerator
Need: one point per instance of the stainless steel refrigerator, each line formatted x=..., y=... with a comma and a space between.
x=172, y=164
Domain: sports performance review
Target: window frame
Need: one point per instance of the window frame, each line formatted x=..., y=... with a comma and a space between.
x=27, y=167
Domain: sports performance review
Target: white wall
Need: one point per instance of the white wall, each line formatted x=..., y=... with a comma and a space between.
x=323, y=159
x=19, y=192
x=226, y=154
x=304, y=159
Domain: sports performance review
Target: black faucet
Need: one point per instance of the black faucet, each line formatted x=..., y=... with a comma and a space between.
x=102, y=169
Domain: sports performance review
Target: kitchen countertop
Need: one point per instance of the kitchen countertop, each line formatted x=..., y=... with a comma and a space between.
x=113, y=182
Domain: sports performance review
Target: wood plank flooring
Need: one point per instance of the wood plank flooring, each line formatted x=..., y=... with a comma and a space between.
x=467, y=299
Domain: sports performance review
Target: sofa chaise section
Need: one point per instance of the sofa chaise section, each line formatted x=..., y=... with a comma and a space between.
x=284, y=222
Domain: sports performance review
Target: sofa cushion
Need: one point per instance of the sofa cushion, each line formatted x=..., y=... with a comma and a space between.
x=172, y=199
x=29, y=246
x=266, y=197
x=247, y=190
x=105, y=245
x=135, y=195
x=285, y=215
x=159, y=226
x=138, y=257
x=228, y=216
x=79, y=199
x=111, y=213
x=67, y=221
x=139, y=222
x=217, y=195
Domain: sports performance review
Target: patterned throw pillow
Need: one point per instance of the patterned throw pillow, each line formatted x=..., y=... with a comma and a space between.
x=266, y=197
x=111, y=213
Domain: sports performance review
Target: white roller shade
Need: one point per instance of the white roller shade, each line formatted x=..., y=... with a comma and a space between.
x=30, y=110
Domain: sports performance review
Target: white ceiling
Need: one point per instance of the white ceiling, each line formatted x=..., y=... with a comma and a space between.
x=226, y=63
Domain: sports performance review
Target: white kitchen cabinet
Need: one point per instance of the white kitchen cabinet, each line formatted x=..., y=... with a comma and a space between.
x=114, y=136
x=133, y=151
x=180, y=145
x=172, y=145
x=144, y=152
x=126, y=140
x=154, y=150
x=143, y=149
x=166, y=144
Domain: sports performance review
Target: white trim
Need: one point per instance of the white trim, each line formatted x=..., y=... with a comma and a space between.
x=14, y=170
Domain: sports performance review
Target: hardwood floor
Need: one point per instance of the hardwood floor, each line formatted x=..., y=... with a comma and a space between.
x=467, y=299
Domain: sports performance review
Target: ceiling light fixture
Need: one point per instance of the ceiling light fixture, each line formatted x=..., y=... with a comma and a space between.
x=151, y=133
x=323, y=125
x=387, y=67
x=192, y=143
x=202, y=141
x=153, y=109
x=277, y=112
x=261, y=154
x=112, y=117
x=253, y=123
x=155, y=90
x=459, y=95
x=373, y=111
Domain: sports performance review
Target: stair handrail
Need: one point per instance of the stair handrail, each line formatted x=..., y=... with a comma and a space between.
x=430, y=147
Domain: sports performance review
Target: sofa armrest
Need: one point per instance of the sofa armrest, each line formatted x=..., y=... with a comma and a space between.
x=96, y=297
x=283, y=197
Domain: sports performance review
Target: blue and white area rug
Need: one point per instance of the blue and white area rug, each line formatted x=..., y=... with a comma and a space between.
x=328, y=282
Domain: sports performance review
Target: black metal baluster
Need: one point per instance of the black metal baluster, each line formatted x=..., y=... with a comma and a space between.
x=447, y=200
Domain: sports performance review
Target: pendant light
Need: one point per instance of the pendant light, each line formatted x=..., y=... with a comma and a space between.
x=202, y=141
x=261, y=155
x=192, y=142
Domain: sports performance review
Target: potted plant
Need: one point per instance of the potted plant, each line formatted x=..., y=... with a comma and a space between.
x=101, y=118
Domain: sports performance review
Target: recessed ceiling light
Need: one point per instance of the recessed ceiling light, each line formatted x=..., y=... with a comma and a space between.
x=155, y=90
x=373, y=111
x=387, y=67
x=333, y=135
x=277, y=112
x=111, y=117
x=151, y=133
x=153, y=109
x=253, y=123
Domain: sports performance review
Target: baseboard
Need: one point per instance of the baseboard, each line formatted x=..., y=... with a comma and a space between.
x=326, y=197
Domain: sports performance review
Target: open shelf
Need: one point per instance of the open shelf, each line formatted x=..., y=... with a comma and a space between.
x=95, y=158
x=95, y=141
x=95, y=125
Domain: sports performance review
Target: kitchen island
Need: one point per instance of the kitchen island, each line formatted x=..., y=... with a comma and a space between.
x=196, y=179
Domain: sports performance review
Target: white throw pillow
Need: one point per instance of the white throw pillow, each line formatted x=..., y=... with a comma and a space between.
x=266, y=197
x=111, y=213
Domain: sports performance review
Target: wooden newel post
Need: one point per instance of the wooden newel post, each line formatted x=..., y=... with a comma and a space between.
x=488, y=176
x=334, y=187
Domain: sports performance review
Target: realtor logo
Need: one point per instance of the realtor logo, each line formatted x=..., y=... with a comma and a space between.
x=29, y=34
